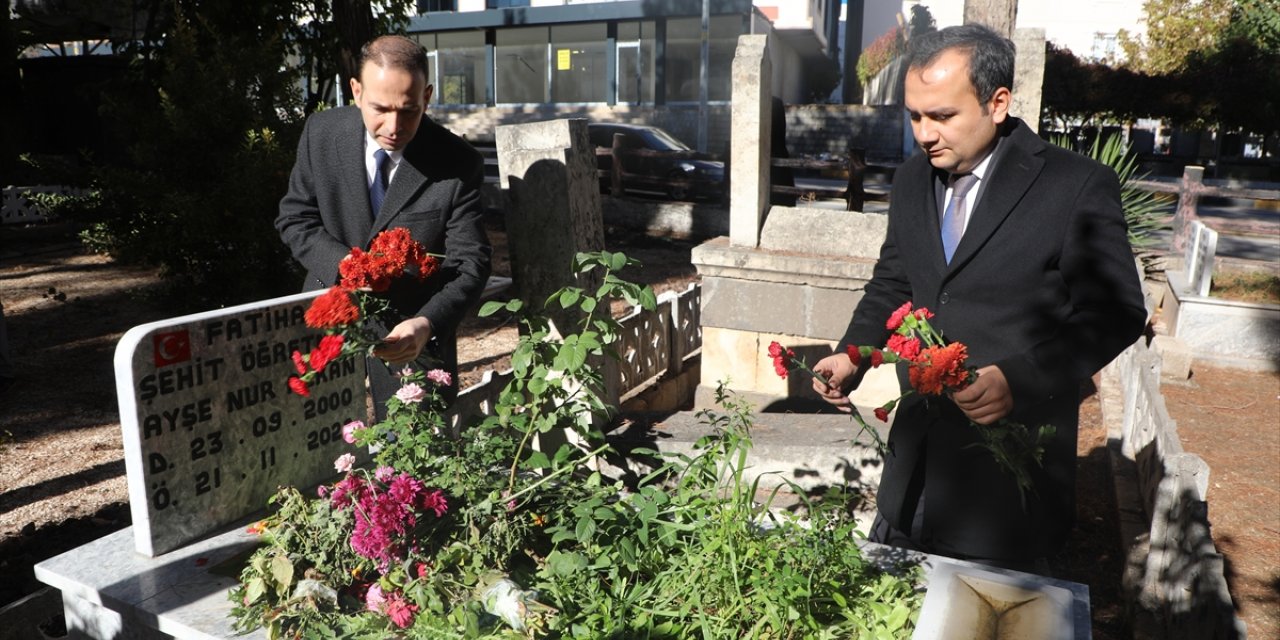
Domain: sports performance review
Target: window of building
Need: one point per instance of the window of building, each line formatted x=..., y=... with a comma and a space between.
x=504, y=4
x=578, y=63
x=684, y=57
x=724, y=42
x=1104, y=46
x=520, y=61
x=635, y=62
x=425, y=6
x=460, y=68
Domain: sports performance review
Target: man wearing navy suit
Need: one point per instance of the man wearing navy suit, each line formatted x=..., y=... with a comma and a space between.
x=379, y=165
x=1035, y=275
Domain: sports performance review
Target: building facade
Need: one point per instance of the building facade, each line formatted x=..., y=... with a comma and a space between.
x=661, y=62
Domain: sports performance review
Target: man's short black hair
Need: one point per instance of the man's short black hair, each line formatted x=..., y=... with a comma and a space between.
x=990, y=55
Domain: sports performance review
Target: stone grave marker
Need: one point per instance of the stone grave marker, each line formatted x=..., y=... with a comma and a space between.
x=210, y=426
x=1200, y=253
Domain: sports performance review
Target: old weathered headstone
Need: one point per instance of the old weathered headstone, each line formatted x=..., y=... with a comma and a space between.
x=749, y=151
x=1200, y=253
x=210, y=427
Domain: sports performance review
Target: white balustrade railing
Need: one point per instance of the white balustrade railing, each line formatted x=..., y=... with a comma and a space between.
x=17, y=208
x=653, y=344
x=1175, y=575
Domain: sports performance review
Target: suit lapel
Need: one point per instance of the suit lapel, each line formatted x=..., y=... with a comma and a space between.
x=406, y=183
x=349, y=150
x=1013, y=170
x=919, y=213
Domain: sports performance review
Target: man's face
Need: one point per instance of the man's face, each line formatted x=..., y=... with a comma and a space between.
x=949, y=123
x=392, y=102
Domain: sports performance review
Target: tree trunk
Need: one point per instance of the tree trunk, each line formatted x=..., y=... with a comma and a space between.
x=1000, y=15
x=11, y=89
x=354, y=21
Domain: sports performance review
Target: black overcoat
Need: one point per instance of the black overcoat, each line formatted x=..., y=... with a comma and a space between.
x=1044, y=285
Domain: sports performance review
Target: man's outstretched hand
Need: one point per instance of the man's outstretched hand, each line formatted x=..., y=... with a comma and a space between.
x=839, y=372
x=405, y=341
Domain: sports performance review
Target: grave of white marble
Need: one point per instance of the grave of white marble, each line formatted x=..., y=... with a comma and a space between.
x=210, y=426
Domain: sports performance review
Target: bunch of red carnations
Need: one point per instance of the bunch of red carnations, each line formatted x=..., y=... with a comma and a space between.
x=936, y=367
x=340, y=311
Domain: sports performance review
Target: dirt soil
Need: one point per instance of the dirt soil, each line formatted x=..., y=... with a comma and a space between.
x=62, y=476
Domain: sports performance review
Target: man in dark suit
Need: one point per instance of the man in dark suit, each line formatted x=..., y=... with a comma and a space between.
x=1039, y=282
x=378, y=165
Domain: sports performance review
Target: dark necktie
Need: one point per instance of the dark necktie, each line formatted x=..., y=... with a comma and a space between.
x=378, y=190
x=957, y=209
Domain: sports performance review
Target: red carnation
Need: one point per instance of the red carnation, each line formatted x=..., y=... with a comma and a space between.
x=775, y=349
x=332, y=309
x=877, y=358
x=906, y=348
x=923, y=314
x=940, y=369
x=882, y=414
x=898, y=316
x=368, y=270
x=330, y=348
x=299, y=364
x=854, y=353
x=299, y=386
x=427, y=265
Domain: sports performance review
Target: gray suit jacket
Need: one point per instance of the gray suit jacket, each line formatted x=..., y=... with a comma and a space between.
x=435, y=195
x=1043, y=284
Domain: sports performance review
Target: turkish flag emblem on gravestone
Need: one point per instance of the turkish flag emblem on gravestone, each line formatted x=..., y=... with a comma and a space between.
x=172, y=347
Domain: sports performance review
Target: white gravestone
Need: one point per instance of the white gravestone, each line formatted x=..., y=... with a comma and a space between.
x=1200, y=254
x=211, y=429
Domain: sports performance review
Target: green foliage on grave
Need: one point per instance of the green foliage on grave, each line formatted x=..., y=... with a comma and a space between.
x=471, y=532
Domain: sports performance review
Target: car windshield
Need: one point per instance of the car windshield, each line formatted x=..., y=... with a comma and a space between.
x=660, y=140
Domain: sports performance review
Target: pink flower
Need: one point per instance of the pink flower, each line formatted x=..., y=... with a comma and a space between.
x=440, y=377
x=374, y=600
x=344, y=462
x=411, y=393
x=349, y=430
x=400, y=611
x=322, y=491
x=434, y=501
x=406, y=372
x=384, y=473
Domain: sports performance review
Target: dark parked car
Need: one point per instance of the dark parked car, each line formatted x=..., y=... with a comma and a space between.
x=654, y=161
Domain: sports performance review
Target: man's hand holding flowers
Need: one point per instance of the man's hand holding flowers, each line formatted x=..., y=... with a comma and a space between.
x=342, y=310
x=987, y=399
x=839, y=372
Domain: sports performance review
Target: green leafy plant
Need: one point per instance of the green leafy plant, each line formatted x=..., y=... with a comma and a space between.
x=474, y=532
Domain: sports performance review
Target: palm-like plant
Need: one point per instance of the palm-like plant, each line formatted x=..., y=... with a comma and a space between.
x=1144, y=211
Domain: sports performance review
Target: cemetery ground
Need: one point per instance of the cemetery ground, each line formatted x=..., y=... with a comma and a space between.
x=62, y=475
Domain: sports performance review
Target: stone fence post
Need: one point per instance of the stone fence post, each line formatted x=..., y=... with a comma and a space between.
x=749, y=151
x=1188, y=198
